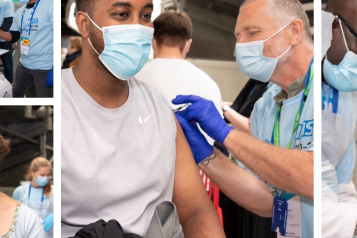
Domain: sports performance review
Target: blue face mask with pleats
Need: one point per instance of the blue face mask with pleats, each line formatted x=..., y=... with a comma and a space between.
x=253, y=63
x=343, y=76
x=126, y=48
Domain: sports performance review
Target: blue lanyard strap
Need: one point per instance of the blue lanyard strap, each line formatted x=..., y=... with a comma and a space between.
x=332, y=103
x=29, y=23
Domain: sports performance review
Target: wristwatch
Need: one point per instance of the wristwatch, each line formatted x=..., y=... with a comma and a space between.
x=226, y=108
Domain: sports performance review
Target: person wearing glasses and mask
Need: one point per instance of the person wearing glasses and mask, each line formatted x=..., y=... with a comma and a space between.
x=339, y=119
x=123, y=152
x=274, y=44
x=37, y=192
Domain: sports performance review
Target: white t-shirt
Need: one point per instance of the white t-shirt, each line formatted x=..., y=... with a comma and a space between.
x=5, y=87
x=27, y=224
x=116, y=163
x=172, y=77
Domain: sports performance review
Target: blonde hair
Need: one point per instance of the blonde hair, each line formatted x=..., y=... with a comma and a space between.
x=76, y=41
x=4, y=147
x=35, y=165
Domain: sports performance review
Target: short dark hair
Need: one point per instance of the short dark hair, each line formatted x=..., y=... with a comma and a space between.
x=85, y=6
x=172, y=29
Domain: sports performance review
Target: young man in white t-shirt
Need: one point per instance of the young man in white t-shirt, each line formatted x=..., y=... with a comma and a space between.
x=169, y=72
x=123, y=151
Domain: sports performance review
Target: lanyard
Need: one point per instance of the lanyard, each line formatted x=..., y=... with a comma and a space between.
x=29, y=22
x=276, y=131
x=332, y=103
x=43, y=192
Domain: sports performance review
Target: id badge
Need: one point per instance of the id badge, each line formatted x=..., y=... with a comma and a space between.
x=25, y=46
x=293, y=220
x=280, y=214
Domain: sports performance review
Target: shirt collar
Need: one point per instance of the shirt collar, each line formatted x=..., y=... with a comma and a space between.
x=294, y=89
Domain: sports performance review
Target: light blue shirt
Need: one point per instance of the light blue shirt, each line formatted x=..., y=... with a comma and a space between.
x=262, y=124
x=347, y=107
x=41, y=37
x=6, y=10
x=35, y=196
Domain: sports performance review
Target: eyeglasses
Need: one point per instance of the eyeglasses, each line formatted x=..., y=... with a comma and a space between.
x=348, y=25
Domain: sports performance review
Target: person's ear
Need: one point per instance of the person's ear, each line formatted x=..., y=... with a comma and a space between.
x=188, y=46
x=83, y=22
x=32, y=174
x=296, y=31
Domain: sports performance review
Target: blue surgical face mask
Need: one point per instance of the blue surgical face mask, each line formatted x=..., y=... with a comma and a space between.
x=42, y=181
x=126, y=48
x=343, y=76
x=252, y=62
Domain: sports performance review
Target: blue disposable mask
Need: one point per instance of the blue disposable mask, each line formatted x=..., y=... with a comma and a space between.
x=252, y=62
x=42, y=181
x=343, y=76
x=126, y=48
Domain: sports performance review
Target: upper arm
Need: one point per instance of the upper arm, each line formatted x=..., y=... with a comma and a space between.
x=14, y=25
x=18, y=193
x=189, y=193
x=9, y=9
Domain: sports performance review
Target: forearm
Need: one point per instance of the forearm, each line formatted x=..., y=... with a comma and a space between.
x=238, y=121
x=239, y=185
x=290, y=170
x=6, y=36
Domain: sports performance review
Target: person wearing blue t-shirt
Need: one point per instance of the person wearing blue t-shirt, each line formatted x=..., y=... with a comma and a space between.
x=36, y=62
x=6, y=19
x=280, y=149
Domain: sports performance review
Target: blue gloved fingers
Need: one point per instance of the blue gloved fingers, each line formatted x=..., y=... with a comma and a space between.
x=48, y=222
x=180, y=99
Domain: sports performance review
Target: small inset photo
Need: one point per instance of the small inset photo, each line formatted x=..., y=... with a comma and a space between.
x=26, y=48
x=26, y=171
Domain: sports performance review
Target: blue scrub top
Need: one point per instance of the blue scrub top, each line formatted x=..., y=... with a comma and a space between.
x=41, y=36
x=262, y=124
x=6, y=10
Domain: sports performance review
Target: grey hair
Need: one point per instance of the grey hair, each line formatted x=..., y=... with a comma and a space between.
x=288, y=10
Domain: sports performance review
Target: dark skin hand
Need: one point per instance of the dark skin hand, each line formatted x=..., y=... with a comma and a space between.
x=348, y=10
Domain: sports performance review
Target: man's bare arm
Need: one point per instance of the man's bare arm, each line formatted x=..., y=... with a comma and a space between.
x=296, y=168
x=239, y=185
x=197, y=214
x=5, y=35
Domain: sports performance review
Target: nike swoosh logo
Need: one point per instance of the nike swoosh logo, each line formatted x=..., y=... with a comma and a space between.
x=141, y=121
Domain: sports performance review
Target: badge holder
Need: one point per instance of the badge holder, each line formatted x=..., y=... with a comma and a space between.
x=25, y=46
x=280, y=212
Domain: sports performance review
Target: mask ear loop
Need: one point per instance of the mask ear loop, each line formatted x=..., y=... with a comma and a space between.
x=88, y=37
x=277, y=33
x=343, y=33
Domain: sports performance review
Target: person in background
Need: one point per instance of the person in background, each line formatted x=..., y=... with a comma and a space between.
x=338, y=119
x=75, y=50
x=36, y=62
x=6, y=19
x=17, y=220
x=169, y=72
x=37, y=192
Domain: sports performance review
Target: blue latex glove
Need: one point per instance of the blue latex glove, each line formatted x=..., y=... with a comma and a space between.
x=49, y=79
x=48, y=222
x=198, y=143
x=205, y=113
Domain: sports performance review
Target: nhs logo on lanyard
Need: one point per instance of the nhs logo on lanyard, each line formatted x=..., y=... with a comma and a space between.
x=35, y=21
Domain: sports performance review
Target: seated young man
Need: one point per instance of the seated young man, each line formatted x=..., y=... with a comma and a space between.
x=123, y=152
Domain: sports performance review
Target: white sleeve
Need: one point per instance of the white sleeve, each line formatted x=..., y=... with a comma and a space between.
x=338, y=219
x=29, y=224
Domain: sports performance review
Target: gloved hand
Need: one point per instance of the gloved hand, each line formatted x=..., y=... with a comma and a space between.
x=48, y=222
x=205, y=113
x=198, y=143
x=49, y=79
